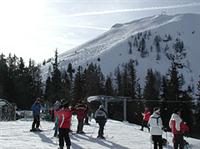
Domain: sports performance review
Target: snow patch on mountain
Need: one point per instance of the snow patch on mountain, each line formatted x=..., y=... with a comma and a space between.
x=112, y=48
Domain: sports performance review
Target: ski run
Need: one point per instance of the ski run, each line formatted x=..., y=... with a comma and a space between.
x=119, y=135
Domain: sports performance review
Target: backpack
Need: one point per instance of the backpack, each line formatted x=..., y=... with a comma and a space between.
x=100, y=116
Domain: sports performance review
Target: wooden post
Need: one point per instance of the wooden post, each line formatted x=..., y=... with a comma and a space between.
x=125, y=109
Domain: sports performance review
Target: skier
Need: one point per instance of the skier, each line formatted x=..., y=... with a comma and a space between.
x=57, y=106
x=146, y=116
x=86, y=121
x=155, y=123
x=81, y=111
x=101, y=118
x=178, y=128
x=64, y=123
x=36, y=115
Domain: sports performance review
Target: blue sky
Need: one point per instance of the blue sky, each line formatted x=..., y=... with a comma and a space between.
x=35, y=28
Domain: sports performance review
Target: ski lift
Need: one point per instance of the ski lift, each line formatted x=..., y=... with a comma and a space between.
x=104, y=100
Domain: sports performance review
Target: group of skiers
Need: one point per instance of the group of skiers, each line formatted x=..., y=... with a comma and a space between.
x=155, y=126
x=62, y=117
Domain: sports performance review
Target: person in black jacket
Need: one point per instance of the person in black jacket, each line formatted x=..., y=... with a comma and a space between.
x=101, y=118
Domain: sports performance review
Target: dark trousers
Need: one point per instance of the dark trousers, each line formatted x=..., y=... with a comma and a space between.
x=64, y=136
x=56, y=130
x=86, y=120
x=80, y=126
x=178, y=141
x=101, y=129
x=157, y=141
x=145, y=124
x=36, y=121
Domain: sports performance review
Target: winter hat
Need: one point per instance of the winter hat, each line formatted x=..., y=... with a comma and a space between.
x=37, y=99
x=176, y=111
x=101, y=107
x=157, y=110
x=65, y=103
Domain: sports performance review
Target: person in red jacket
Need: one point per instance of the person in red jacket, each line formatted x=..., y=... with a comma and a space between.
x=184, y=128
x=178, y=128
x=64, y=123
x=81, y=111
x=146, y=116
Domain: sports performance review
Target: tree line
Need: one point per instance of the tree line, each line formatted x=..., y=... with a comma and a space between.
x=165, y=91
x=21, y=84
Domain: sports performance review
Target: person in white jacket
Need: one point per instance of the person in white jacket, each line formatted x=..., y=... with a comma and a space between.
x=155, y=124
x=101, y=118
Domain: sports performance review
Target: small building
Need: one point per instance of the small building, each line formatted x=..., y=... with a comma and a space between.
x=7, y=110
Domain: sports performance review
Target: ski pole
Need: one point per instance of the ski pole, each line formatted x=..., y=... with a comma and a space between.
x=167, y=139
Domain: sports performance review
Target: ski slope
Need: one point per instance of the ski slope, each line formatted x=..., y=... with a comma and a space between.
x=110, y=49
x=16, y=135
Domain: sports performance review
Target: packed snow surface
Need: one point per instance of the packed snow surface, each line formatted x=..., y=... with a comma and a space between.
x=119, y=135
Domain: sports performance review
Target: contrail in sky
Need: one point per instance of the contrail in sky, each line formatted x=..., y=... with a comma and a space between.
x=94, y=13
x=87, y=27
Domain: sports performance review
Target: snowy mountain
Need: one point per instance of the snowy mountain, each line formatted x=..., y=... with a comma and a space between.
x=149, y=42
x=119, y=135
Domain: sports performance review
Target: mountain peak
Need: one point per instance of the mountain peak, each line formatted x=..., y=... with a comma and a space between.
x=112, y=48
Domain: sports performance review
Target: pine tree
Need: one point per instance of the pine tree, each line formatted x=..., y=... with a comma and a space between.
x=3, y=76
x=18, y=82
x=125, y=81
x=93, y=80
x=164, y=88
x=132, y=78
x=142, y=48
x=178, y=54
x=198, y=90
x=70, y=71
x=138, y=90
x=157, y=41
x=78, y=84
x=119, y=81
x=135, y=43
x=109, y=91
x=101, y=81
x=197, y=109
x=151, y=91
x=21, y=84
x=174, y=84
x=130, y=47
x=10, y=86
x=66, y=87
x=35, y=80
x=48, y=89
x=55, y=83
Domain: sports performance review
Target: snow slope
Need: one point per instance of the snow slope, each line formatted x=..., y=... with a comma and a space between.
x=16, y=135
x=112, y=47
